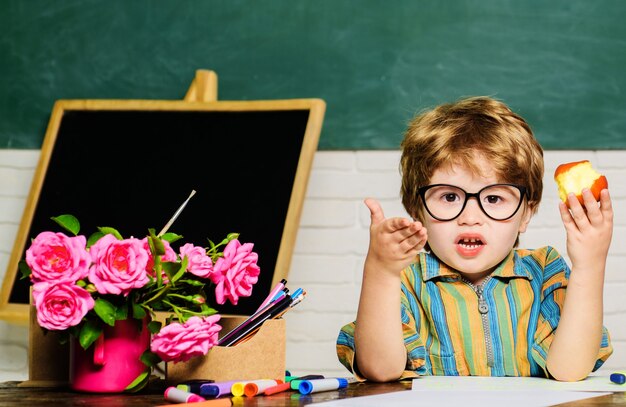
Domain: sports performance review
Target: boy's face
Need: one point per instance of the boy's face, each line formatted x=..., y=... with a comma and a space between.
x=473, y=244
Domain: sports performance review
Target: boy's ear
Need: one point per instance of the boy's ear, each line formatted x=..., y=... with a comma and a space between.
x=528, y=213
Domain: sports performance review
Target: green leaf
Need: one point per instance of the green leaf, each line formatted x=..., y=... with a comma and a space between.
x=181, y=270
x=138, y=311
x=110, y=231
x=106, y=311
x=232, y=236
x=150, y=359
x=121, y=312
x=94, y=238
x=171, y=237
x=170, y=268
x=154, y=327
x=68, y=222
x=156, y=245
x=24, y=269
x=89, y=333
x=139, y=383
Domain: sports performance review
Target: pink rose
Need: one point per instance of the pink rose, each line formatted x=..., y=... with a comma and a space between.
x=235, y=273
x=60, y=305
x=170, y=255
x=56, y=257
x=180, y=342
x=199, y=263
x=119, y=266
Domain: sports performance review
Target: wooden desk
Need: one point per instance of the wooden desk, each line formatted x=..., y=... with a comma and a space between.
x=11, y=395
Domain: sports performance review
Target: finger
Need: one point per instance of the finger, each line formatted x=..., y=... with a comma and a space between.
x=416, y=241
x=401, y=225
x=591, y=205
x=577, y=211
x=606, y=206
x=376, y=211
x=566, y=217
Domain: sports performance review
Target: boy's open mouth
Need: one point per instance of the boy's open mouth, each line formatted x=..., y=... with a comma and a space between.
x=470, y=243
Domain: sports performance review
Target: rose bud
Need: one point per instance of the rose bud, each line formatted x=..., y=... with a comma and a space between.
x=573, y=177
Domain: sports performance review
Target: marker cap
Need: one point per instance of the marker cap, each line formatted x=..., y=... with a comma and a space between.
x=618, y=378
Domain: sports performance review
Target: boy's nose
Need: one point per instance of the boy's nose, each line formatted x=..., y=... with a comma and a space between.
x=471, y=214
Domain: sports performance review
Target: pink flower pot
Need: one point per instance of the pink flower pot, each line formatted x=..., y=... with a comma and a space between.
x=113, y=361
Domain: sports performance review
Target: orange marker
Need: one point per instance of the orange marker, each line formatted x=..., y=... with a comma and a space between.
x=255, y=387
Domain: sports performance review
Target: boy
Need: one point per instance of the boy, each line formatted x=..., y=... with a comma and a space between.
x=470, y=303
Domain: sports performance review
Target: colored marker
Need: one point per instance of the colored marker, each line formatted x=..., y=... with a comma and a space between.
x=223, y=402
x=314, y=386
x=295, y=383
x=255, y=387
x=217, y=389
x=296, y=293
x=192, y=386
x=618, y=377
x=238, y=389
x=181, y=396
x=277, y=289
x=279, y=388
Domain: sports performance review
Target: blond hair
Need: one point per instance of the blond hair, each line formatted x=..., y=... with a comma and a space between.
x=454, y=133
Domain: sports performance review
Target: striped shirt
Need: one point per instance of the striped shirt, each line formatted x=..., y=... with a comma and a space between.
x=450, y=329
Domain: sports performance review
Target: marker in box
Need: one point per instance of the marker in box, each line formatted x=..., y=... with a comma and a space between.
x=314, y=386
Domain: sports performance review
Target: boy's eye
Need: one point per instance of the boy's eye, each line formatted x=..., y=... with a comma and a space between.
x=493, y=199
x=450, y=197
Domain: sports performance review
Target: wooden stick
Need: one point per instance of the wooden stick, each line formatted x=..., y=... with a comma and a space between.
x=178, y=211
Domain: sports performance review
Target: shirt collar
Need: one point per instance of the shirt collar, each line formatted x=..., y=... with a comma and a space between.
x=510, y=267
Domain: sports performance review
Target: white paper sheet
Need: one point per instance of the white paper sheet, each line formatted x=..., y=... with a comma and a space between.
x=476, y=383
x=443, y=391
x=465, y=398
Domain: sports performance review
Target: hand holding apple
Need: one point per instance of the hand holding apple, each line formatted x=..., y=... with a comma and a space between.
x=574, y=176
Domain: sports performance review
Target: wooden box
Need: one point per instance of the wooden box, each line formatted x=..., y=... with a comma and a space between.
x=260, y=357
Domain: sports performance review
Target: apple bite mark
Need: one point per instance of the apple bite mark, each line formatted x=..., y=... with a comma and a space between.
x=573, y=177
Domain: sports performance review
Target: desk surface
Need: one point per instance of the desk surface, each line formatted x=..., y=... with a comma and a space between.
x=12, y=395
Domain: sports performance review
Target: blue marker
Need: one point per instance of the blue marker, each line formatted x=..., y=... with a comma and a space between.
x=296, y=293
x=618, y=377
x=313, y=386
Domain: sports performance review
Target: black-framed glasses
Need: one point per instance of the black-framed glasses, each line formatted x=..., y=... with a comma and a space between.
x=498, y=201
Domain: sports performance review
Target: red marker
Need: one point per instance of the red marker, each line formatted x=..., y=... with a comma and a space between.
x=277, y=389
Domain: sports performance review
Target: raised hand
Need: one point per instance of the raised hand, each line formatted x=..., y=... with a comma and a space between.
x=394, y=242
x=589, y=229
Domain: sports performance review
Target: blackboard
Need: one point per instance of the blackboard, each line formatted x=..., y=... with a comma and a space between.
x=558, y=63
x=130, y=164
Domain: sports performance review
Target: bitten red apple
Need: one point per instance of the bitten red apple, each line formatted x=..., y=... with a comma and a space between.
x=574, y=176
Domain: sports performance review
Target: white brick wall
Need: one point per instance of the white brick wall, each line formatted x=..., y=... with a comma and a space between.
x=332, y=243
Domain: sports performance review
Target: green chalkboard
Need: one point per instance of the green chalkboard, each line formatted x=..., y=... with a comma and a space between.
x=558, y=63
